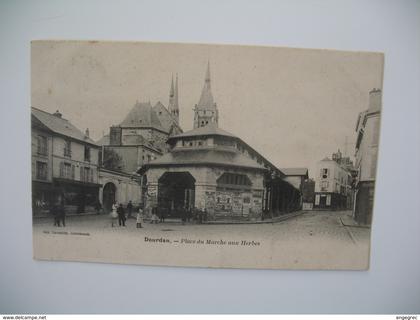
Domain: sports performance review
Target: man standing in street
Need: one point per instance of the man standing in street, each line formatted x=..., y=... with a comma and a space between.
x=121, y=215
x=61, y=213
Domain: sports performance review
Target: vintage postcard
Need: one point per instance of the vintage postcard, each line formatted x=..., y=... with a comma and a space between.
x=204, y=155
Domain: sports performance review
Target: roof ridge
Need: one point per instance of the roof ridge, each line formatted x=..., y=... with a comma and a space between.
x=50, y=114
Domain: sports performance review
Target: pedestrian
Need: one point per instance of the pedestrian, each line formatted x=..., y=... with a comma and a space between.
x=113, y=214
x=139, y=218
x=54, y=210
x=161, y=215
x=98, y=207
x=129, y=209
x=183, y=215
x=154, y=218
x=205, y=214
x=200, y=217
x=121, y=215
x=61, y=214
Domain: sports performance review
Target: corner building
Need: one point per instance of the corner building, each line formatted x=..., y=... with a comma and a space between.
x=205, y=170
x=210, y=168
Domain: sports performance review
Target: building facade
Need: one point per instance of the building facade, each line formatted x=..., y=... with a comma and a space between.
x=118, y=187
x=212, y=170
x=332, y=185
x=367, y=129
x=64, y=165
x=141, y=137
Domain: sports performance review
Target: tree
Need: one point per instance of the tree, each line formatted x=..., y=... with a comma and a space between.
x=112, y=160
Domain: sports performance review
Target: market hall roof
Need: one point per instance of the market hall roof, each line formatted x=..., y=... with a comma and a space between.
x=207, y=156
x=210, y=129
x=61, y=126
x=142, y=115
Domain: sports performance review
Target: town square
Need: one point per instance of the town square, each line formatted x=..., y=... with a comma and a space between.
x=151, y=178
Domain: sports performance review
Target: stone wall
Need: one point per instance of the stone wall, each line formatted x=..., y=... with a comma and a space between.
x=127, y=187
x=244, y=202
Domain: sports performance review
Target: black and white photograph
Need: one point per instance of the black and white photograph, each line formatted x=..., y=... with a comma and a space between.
x=200, y=155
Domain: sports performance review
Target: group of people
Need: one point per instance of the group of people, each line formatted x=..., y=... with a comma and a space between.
x=118, y=212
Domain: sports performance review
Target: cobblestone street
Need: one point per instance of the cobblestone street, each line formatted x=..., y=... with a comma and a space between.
x=316, y=239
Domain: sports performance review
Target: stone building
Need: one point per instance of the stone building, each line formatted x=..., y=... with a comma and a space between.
x=140, y=138
x=205, y=170
x=367, y=129
x=211, y=169
x=64, y=164
x=118, y=187
x=332, y=185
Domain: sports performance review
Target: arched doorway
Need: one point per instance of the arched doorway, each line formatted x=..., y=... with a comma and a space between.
x=176, y=193
x=109, y=196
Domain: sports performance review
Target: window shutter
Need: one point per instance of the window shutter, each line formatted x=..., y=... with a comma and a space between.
x=91, y=175
x=61, y=169
x=73, y=171
x=81, y=174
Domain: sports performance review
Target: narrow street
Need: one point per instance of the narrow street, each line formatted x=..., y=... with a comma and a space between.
x=315, y=239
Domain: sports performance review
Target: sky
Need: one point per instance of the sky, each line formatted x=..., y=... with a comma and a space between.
x=294, y=106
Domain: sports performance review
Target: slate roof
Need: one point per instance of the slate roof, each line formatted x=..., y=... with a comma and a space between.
x=295, y=171
x=165, y=118
x=205, y=157
x=210, y=129
x=60, y=126
x=142, y=115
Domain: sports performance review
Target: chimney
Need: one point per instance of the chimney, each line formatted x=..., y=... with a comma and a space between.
x=57, y=114
x=87, y=132
x=375, y=99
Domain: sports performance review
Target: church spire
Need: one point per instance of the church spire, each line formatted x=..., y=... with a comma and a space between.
x=173, y=107
x=206, y=98
x=176, y=92
x=206, y=110
x=207, y=79
x=171, y=92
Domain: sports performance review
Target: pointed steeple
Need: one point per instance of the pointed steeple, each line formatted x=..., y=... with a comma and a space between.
x=171, y=92
x=173, y=99
x=176, y=92
x=206, y=98
x=205, y=111
x=207, y=79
